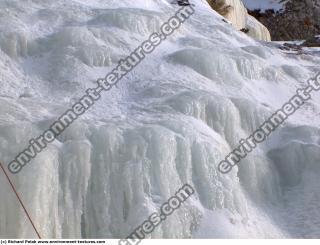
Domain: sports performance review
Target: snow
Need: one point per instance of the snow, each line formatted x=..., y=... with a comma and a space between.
x=169, y=122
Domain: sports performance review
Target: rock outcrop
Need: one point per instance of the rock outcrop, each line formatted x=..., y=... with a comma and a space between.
x=300, y=19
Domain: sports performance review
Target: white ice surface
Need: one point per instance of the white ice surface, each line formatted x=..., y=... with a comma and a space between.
x=169, y=122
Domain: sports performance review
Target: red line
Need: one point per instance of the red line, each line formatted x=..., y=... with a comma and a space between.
x=17, y=195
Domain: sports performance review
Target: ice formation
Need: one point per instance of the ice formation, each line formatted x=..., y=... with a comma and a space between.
x=169, y=122
x=257, y=30
x=236, y=13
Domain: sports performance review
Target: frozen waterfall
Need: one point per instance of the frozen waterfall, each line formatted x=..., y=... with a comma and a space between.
x=167, y=123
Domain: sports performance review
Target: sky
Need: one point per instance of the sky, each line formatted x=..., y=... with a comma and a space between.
x=263, y=4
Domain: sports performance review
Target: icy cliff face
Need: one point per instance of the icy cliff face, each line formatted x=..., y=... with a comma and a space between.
x=256, y=29
x=236, y=13
x=169, y=122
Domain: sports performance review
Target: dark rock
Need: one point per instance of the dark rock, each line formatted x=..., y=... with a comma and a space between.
x=245, y=30
x=312, y=42
x=299, y=20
